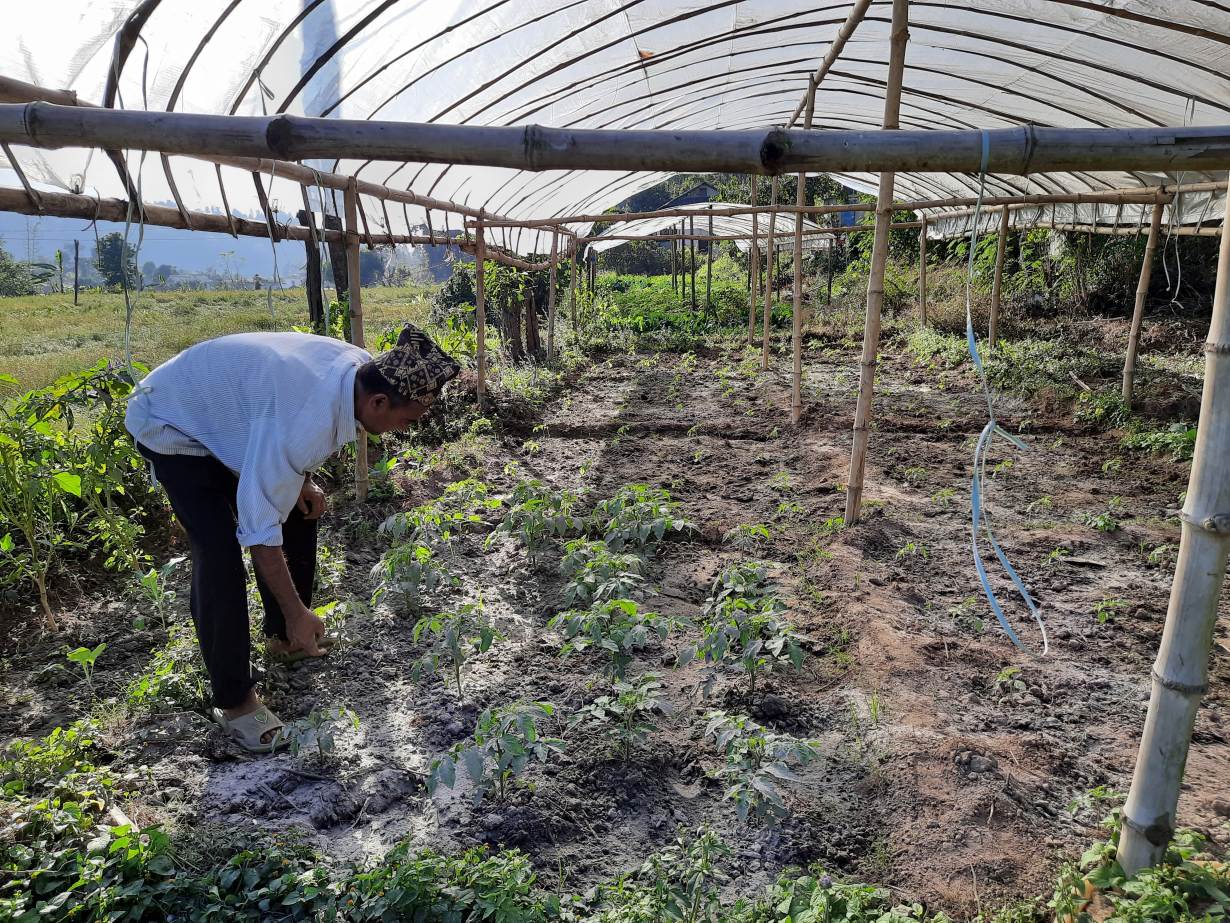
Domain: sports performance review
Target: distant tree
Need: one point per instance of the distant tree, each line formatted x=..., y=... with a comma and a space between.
x=637, y=257
x=371, y=266
x=115, y=260
x=15, y=278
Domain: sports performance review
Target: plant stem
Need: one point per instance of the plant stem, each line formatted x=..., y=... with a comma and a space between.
x=40, y=580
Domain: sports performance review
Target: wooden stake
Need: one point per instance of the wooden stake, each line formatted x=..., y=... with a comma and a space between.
x=770, y=262
x=551, y=297
x=709, y=270
x=692, y=258
x=922, y=273
x=354, y=296
x=796, y=344
x=1138, y=310
x=753, y=263
x=875, y=283
x=572, y=287
x=1181, y=671
x=997, y=285
x=76, y=275
x=674, y=275
x=480, y=316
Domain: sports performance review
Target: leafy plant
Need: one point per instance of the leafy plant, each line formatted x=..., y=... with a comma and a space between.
x=617, y=627
x=505, y=742
x=598, y=574
x=1102, y=522
x=1106, y=609
x=410, y=570
x=319, y=729
x=912, y=550
x=637, y=517
x=626, y=715
x=748, y=536
x=85, y=658
x=175, y=677
x=154, y=589
x=756, y=759
x=679, y=884
x=1008, y=681
x=743, y=624
x=538, y=515
x=455, y=637
x=943, y=497
x=1178, y=441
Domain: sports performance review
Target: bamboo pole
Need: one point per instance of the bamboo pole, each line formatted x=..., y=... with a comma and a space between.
x=354, y=300
x=770, y=261
x=800, y=199
x=853, y=18
x=674, y=277
x=551, y=297
x=76, y=266
x=572, y=286
x=1019, y=151
x=807, y=232
x=1181, y=671
x=709, y=269
x=998, y=283
x=1138, y=310
x=922, y=273
x=480, y=314
x=879, y=256
x=753, y=264
x=692, y=258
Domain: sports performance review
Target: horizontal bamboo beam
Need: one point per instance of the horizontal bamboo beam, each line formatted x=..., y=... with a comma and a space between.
x=18, y=91
x=720, y=211
x=1180, y=231
x=807, y=232
x=68, y=205
x=1016, y=151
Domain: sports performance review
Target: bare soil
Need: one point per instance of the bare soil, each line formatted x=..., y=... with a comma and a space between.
x=936, y=781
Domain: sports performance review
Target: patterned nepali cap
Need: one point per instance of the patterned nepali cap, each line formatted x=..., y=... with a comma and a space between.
x=416, y=366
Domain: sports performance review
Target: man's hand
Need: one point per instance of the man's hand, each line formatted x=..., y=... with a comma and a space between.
x=304, y=630
x=312, y=500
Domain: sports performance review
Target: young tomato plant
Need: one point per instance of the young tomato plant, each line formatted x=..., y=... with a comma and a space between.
x=626, y=716
x=409, y=570
x=638, y=517
x=755, y=760
x=319, y=729
x=505, y=742
x=617, y=627
x=598, y=574
x=744, y=625
x=85, y=658
x=537, y=515
x=154, y=589
x=455, y=638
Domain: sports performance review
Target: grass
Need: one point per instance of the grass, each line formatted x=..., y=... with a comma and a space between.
x=45, y=336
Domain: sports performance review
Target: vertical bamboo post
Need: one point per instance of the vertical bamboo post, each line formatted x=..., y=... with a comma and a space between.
x=1138, y=311
x=753, y=264
x=770, y=260
x=572, y=286
x=997, y=285
x=875, y=283
x=796, y=344
x=480, y=311
x=76, y=276
x=709, y=269
x=674, y=280
x=922, y=272
x=354, y=298
x=1181, y=671
x=692, y=258
x=551, y=297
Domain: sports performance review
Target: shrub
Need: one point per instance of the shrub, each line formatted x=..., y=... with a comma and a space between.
x=617, y=627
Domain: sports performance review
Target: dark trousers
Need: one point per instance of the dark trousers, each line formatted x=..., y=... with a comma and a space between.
x=202, y=494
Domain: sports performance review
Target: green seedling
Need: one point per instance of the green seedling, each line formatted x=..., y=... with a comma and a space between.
x=1106, y=609
x=409, y=570
x=1102, y=522
x=943, y=497
x=597, y=574
x=1008, y=681
x=638, y=517
x=748, y=537
x=506, y=740
x=86, y=658
x=912, y=550
x=538, y=516
x=454, y=638
x=155, y=590
x=319, y=729
x=626, y=715
x=617, y=627
x=755, y=761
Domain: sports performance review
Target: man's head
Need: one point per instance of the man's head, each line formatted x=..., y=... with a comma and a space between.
x=398, y=387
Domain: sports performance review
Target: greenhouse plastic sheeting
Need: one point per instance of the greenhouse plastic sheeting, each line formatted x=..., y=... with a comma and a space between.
x=718, y=64
x=783, y=229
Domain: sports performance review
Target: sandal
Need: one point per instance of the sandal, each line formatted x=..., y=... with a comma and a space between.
x=324, y=642
x=247, y=730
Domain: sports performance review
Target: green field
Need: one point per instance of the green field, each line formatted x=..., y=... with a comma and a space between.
x=45, y=336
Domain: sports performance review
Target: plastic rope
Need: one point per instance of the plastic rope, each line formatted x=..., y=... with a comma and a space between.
x=980, y=520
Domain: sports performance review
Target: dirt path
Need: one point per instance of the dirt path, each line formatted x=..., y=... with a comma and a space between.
x=937, y=780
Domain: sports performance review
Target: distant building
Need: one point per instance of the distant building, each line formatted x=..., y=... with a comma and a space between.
x=701, y=192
